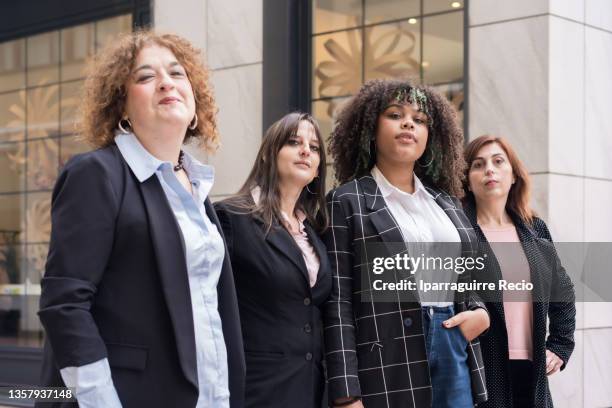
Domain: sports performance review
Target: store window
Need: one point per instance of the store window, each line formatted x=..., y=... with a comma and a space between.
x=40, y=80
x=357, y=40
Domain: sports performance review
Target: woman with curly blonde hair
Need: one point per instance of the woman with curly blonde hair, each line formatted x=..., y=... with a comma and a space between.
x=397, y=149
x=138, y=299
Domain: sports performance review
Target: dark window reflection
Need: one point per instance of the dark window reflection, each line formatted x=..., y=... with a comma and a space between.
x=40, y=81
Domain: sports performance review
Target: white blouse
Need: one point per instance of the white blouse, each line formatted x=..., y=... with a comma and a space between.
x=422, y=221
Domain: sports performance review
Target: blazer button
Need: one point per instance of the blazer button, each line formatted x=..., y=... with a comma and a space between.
x=308, y=356
x=307, y=328
x=306, y=301
x=408, y=321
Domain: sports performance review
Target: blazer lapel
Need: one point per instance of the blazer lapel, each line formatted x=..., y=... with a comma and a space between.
x=384, y=223
x=531, y=245
x=170, y=255
x=387, y=228
x=230, y=319
x=280, y=238
x=320, y=249
x=458, y=218
x=469, y=242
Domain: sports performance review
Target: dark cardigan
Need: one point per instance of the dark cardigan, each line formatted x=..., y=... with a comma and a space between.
x=548, y=282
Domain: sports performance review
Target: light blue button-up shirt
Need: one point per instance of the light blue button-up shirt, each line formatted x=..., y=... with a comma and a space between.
x=204, y=252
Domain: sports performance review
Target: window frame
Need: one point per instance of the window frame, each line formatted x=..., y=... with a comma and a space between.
x=22, y=365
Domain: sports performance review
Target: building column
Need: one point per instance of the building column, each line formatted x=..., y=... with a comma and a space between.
x=230, y=33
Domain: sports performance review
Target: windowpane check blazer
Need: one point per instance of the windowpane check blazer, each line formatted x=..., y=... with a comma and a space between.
x=376, y=350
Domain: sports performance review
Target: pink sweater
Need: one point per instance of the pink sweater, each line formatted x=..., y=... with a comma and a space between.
x=514, y=268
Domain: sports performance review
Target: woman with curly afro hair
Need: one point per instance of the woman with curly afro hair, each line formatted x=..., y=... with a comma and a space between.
x=397, y=150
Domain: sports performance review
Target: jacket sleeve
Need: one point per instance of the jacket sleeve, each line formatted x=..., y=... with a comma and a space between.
x=562, y=306
x=473, y=300
x=226, y=224
x=83, y=215
x=339, y=323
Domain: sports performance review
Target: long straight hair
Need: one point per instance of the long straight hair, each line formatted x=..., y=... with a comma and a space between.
x=520, y=191
x=264, y=175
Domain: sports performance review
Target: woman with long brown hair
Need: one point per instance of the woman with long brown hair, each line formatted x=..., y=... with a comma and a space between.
x=280, y=265
x=518, y=354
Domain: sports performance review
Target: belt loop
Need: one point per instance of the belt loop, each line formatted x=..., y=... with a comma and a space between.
x=430, y=311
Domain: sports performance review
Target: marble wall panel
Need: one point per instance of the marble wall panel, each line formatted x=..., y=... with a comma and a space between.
x=508, y=86
x=566, y=97
x=598, y=216
x=597, y=368
x=598, y=13
x=572, y=9
x=235, y=32
x=598, y=103
x=239, y=98
x=566, y=208
x=183, y=17
x=567, y=387
x=487, y=11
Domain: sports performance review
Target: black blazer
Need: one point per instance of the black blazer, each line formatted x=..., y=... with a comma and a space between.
x=116, y=286
x=364, y=337
x=550, y=281
x=280, y=313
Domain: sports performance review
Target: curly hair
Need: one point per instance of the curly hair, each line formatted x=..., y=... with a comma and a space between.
x=352, y=142
x=104, y=91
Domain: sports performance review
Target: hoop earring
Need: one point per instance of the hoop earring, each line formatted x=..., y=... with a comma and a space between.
x=430, y=161
x=121, y=128
x=308, y=189
x=194, y=122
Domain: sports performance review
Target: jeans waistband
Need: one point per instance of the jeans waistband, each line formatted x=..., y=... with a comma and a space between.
x=439, y=310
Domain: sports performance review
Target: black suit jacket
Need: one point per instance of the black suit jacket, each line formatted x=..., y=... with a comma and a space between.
x=553, y=302
x=116, y=286
x=280, y=312
x=376, y=350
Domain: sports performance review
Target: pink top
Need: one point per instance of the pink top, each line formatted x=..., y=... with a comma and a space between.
x=514, y=268
x=301, y=239
x=311, y=259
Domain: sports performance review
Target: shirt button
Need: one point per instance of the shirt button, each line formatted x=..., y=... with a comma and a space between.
x=308, y=356
x=307, y=328
x=306, y=301
x=408, y=322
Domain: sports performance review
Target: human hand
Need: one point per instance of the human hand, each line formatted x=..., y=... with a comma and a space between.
x=553, y=363
x=471, y=323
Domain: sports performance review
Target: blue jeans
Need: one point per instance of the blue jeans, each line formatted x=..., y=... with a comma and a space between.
x=448, y=360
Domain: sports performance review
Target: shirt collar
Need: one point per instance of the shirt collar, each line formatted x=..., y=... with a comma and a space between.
x=198, y=171
x=386, y=188
x=144, y=164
